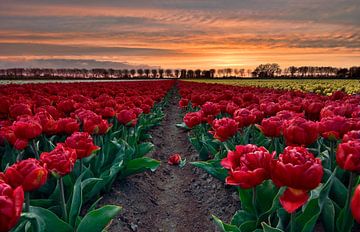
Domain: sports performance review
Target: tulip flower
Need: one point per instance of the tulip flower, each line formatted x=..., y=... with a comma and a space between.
x=297, y=169
x=127, y=117
x=355, y=204
x=224, y=128
x=333, y=128
x=174, y=159
x=271, y=127
x=11, y=202
x=83, y=143
x=348, y=155
x=248, y=165
x=27, y=128
x=67, y=125
x=61, y=160
x=351, y=135
x=29, y=173
x=193, y=119
x=300, y=132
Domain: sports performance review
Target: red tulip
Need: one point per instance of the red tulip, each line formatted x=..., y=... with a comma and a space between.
x=271, y=127
x=348, y=155
x=29, y=174
x=193, y=119
x=355, y=204
x=300, y=131
x=244, y=117
x=270, y=108
x=183, y=102
x=27, y=128
x=11, y=202
x=333, y=127
x=224, y=128
x=82, y=142
x=127, y=117
x=248, y=165
x=351, y=135
x=297, y=169
x=67, y=125
x=48, y=124
x=19, y=110
x=174, y=159
x=96, y=125
x=59, y=161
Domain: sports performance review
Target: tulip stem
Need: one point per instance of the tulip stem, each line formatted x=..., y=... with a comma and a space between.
x=20, y=156
x=35, y=150
x=62, y=199
x=348, y=196
x=292, y=222
x=254, y=201
x=27, y=202
x=81, y=166
x=332, y=153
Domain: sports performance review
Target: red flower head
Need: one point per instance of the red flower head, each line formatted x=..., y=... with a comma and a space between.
x=348, y=155
x=184, y=102
x=107, y=112
x=270, y=108
x=224, y=128
x=248, y=165
x=271, y=127
x=61, y=160
x=355, y=204
x=174, y=159
x=27, y=128
x=96, y=125
x=244, y=117
x=300, y=131
x=127, y=117
x=231, y=107
x=49, y=125
x=11, y=202
x=29, y=174
x=351, y=135
x=19, y=110
x=82, y=142
x=312, y=109
x=67, y=125
x=333, y=128
x=297, y=169
x=193, y=119
x=7, y=134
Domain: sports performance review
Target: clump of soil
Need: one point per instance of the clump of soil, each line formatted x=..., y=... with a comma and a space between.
x=171, y=198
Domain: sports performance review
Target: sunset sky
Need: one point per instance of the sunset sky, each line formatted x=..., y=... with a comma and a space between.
x=179, y=33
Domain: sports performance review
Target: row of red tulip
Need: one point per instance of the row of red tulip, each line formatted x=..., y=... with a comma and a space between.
x=71, y=112
x=300, y=118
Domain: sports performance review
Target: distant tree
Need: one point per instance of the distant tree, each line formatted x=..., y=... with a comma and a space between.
x=293, y=70
x=168, y=73
x=190, y=73
x=354, y=72
x=183, y=73
x=154, y=73
x=140, y=72
x=212, y=73
x=132, y=73
x=147, y=72
x=161, y=73
x=125, y=73
x=176, y=73
x=197, y=73
x=242, y=72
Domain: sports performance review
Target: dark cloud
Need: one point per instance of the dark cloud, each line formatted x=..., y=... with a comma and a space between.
x=69, y=63
x=28, y=49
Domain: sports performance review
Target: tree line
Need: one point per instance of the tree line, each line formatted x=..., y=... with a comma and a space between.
x=262, y=71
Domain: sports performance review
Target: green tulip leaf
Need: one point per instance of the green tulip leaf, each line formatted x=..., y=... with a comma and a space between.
x=97, y=220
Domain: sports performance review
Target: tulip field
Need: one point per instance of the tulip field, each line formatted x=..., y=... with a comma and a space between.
x=290, y=156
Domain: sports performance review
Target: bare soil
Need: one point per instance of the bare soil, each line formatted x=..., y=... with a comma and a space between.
x=171, y=198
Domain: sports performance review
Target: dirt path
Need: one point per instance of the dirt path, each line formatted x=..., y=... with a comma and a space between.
x=172, y=198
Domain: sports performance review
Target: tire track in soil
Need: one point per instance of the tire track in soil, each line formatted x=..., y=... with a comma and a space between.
x=171, y=198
